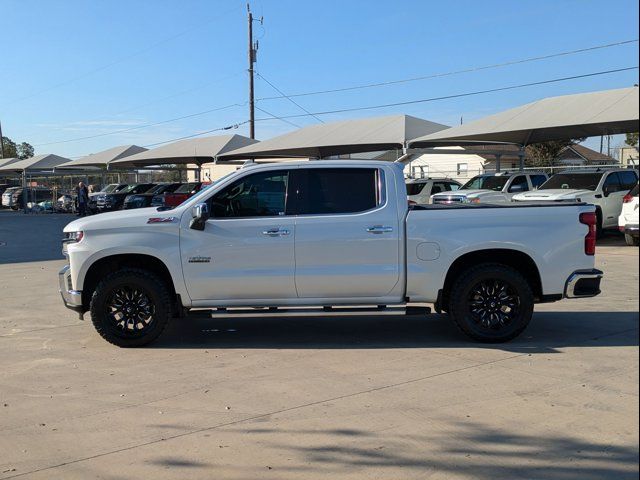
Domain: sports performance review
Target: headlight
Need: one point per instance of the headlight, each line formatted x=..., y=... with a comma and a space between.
x=71, y=237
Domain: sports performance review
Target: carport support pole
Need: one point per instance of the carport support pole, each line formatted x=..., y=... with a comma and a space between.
x=521, y=155
x=498, y=166
x=24, y=191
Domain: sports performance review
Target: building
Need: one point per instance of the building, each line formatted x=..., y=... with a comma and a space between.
x=628, y=156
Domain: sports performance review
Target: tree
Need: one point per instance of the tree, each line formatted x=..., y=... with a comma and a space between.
x=25, y=150
x=632, y=139
x=11, y=150
x=547, y=153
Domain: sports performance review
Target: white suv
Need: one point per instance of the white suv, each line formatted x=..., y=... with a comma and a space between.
x=419, y=190
x=628, y=220
x=603, y=188
x=492, y=188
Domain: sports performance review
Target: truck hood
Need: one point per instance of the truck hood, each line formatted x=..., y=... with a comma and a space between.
x=553, y=194
x=122, y=219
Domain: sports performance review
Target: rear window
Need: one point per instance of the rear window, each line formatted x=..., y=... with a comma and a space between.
x=628, y=179
x=486, y=183
x=336, y=190
x=414, y=188
x=574, y=181
x=634, y=191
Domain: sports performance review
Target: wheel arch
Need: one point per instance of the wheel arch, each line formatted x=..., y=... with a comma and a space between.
x=515, y=259
x=111, y=263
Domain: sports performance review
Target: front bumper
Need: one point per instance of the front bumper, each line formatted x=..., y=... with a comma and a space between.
x=72, y=298
x=583, y=284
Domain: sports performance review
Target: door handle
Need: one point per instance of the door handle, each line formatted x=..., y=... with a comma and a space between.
x=276, y=232
x=379, y=229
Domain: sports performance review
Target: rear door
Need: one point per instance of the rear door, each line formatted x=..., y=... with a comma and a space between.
x=347, y=233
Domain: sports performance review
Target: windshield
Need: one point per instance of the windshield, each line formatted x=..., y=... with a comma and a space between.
x=574, y=181
x=158, y=188
x=485, y=183
x=414, y=188
x=109, y=188
x=187, y=188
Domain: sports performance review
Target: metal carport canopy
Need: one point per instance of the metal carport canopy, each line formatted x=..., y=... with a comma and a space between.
x=38, y=163
x=193, y=150
x=605, y=112
x=103, y=158
x=343, y=137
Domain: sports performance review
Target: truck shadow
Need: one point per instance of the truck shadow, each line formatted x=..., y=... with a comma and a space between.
x=548, y=332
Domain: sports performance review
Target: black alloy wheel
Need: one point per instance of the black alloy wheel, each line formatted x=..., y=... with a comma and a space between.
x=491, y=303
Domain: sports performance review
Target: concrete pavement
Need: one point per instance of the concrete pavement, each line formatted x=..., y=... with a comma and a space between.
x=379, y=397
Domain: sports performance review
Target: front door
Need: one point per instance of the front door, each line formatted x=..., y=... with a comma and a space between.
x=246, y=249
x=347, y=233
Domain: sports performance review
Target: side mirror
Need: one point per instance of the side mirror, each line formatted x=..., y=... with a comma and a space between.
x=200, y=215
x=517, y=188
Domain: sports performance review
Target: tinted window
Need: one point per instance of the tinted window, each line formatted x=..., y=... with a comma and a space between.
x=537, y=180
x=519, y=184
x=336, y=190
x=634, y=191
x=628, y=179
x=187, y=188
x=258, y=195
x=486, y=183
x=612, y=183
x=577, y=181
x=414, y=188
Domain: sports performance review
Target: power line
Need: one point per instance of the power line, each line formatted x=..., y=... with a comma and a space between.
x=456, y=72
x=278, y=118
x=138, y=127
x=459, y=95
x=288, y=98
x=328, y=112
x=219, y=129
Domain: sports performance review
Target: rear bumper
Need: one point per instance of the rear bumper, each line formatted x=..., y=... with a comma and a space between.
x=72, y=298
x=583, y=284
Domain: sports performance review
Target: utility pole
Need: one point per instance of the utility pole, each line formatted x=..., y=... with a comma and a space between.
x=1, y=142
x=253, y=56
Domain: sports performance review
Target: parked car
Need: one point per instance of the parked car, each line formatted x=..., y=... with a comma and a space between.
x=628, y=220
x=99, y=195
x=141, y=200
x=322, y=235
x=66, y=203
x=492, y=188
x=7, y=197
x=174, y=199
x=3, y=188
x=603, y=188
x=114, y=201
x=419, y=190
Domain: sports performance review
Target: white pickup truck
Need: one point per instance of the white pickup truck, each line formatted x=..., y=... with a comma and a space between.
x=320, y=238
x=492, y=188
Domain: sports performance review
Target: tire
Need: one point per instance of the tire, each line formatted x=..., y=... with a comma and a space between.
x=487, y=315
x=148, y=305
x=631, y=240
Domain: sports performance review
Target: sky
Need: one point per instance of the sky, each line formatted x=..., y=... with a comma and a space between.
x=81, y=68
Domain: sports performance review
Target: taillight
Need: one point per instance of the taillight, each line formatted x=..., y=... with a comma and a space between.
x=589, y=219
x=628, y=198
